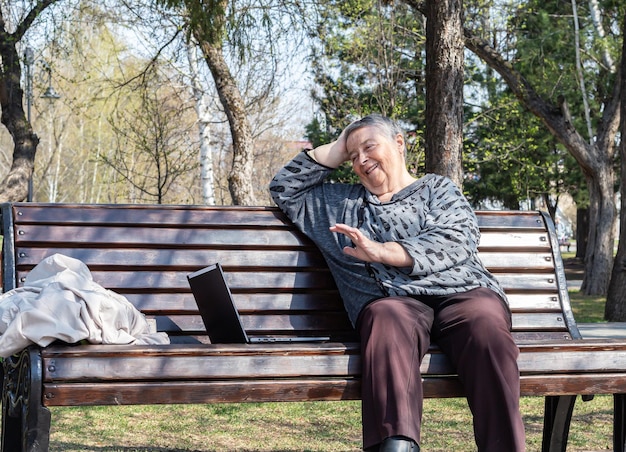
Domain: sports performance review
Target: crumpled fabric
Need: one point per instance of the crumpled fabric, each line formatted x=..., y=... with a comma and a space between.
x=60, y=300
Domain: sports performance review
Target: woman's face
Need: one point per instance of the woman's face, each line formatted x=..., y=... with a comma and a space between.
x=377, y=160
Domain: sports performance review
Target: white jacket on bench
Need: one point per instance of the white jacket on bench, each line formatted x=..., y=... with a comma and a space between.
x=60, y=300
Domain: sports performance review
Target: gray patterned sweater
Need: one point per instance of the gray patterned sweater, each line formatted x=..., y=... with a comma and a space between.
x=430, y=218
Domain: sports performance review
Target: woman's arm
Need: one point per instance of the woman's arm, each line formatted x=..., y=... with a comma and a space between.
x=332, y=154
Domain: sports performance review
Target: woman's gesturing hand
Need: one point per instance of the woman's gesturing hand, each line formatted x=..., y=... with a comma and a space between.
x=391, y=253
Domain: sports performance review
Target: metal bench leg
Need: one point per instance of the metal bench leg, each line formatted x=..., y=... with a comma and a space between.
x=619, y=419
x=25, y=421
x=556, y=422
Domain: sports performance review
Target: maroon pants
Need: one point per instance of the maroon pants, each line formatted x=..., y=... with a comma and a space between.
x=473, y=329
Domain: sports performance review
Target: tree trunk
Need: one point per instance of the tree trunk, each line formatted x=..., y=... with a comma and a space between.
x=602, y=216
x=444, y=88
x=240, y=177
x=582, y=232
x=14, y=186
x=204, y=130
x=615, y=308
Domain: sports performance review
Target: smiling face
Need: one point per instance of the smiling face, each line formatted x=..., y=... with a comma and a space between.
x=378, y=160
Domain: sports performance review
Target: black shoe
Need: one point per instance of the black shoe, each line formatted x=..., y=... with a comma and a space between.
x=399, y=444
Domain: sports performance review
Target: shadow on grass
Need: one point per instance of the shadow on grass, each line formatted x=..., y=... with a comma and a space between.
x=74, y=447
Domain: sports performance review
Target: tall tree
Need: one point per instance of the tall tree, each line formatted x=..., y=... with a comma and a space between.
x=444, y=88
x=207, y=23
x=594, y=155
x=208, y=26
x=14, y=186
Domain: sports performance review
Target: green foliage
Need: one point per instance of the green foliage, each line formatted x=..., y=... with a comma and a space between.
x=368, y=59
x=509, y=154
x=511, y=157
x=317, y=134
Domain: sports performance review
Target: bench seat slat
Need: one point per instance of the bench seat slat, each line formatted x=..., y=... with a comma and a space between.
x=503, y=262
x=138, y=393
x=125, y=280
x=265, y=323
x=514, y=240
x=539, y=321
x=529, y=283
x=184, y=303
x=205, y=236
x=232, y=361
x=534, y=302
x=520, y=336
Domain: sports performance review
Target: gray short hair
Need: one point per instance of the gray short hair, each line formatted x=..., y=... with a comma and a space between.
x=385, y=125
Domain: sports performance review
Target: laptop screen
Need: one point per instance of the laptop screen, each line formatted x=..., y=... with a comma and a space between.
x=216, y=306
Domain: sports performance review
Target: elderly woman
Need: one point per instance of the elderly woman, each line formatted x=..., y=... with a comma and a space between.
x=403, y=252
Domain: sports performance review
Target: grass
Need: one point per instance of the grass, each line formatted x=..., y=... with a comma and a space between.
x=314, y=426
x=587, y=309
x=310, y=426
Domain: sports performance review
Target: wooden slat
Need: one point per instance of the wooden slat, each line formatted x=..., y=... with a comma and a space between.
x=539, y=322
x=266, y=323
x=177, y=259
x=282, y=360
x=128, y=393
x=149, y=215
x=521, y=336
x=259, y=216
x=154, y=281
x=542, y=302
x=184, y=303
x=102, y=252
x=501, y=220
x=505, y=261
x=529, y=283
x=514, y=241
x=290, y=323
x=158, y=237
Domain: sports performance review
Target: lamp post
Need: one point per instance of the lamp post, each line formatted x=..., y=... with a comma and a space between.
x=50, y=94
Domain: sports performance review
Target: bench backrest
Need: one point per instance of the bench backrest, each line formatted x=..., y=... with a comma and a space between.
x=280, y=282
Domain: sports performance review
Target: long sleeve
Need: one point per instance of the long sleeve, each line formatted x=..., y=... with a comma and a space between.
x=297, y=183
x=449, y=234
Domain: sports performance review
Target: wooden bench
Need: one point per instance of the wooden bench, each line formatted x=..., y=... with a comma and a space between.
x=282, y=287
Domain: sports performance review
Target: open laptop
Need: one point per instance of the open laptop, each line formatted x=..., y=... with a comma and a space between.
x=219, y=313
